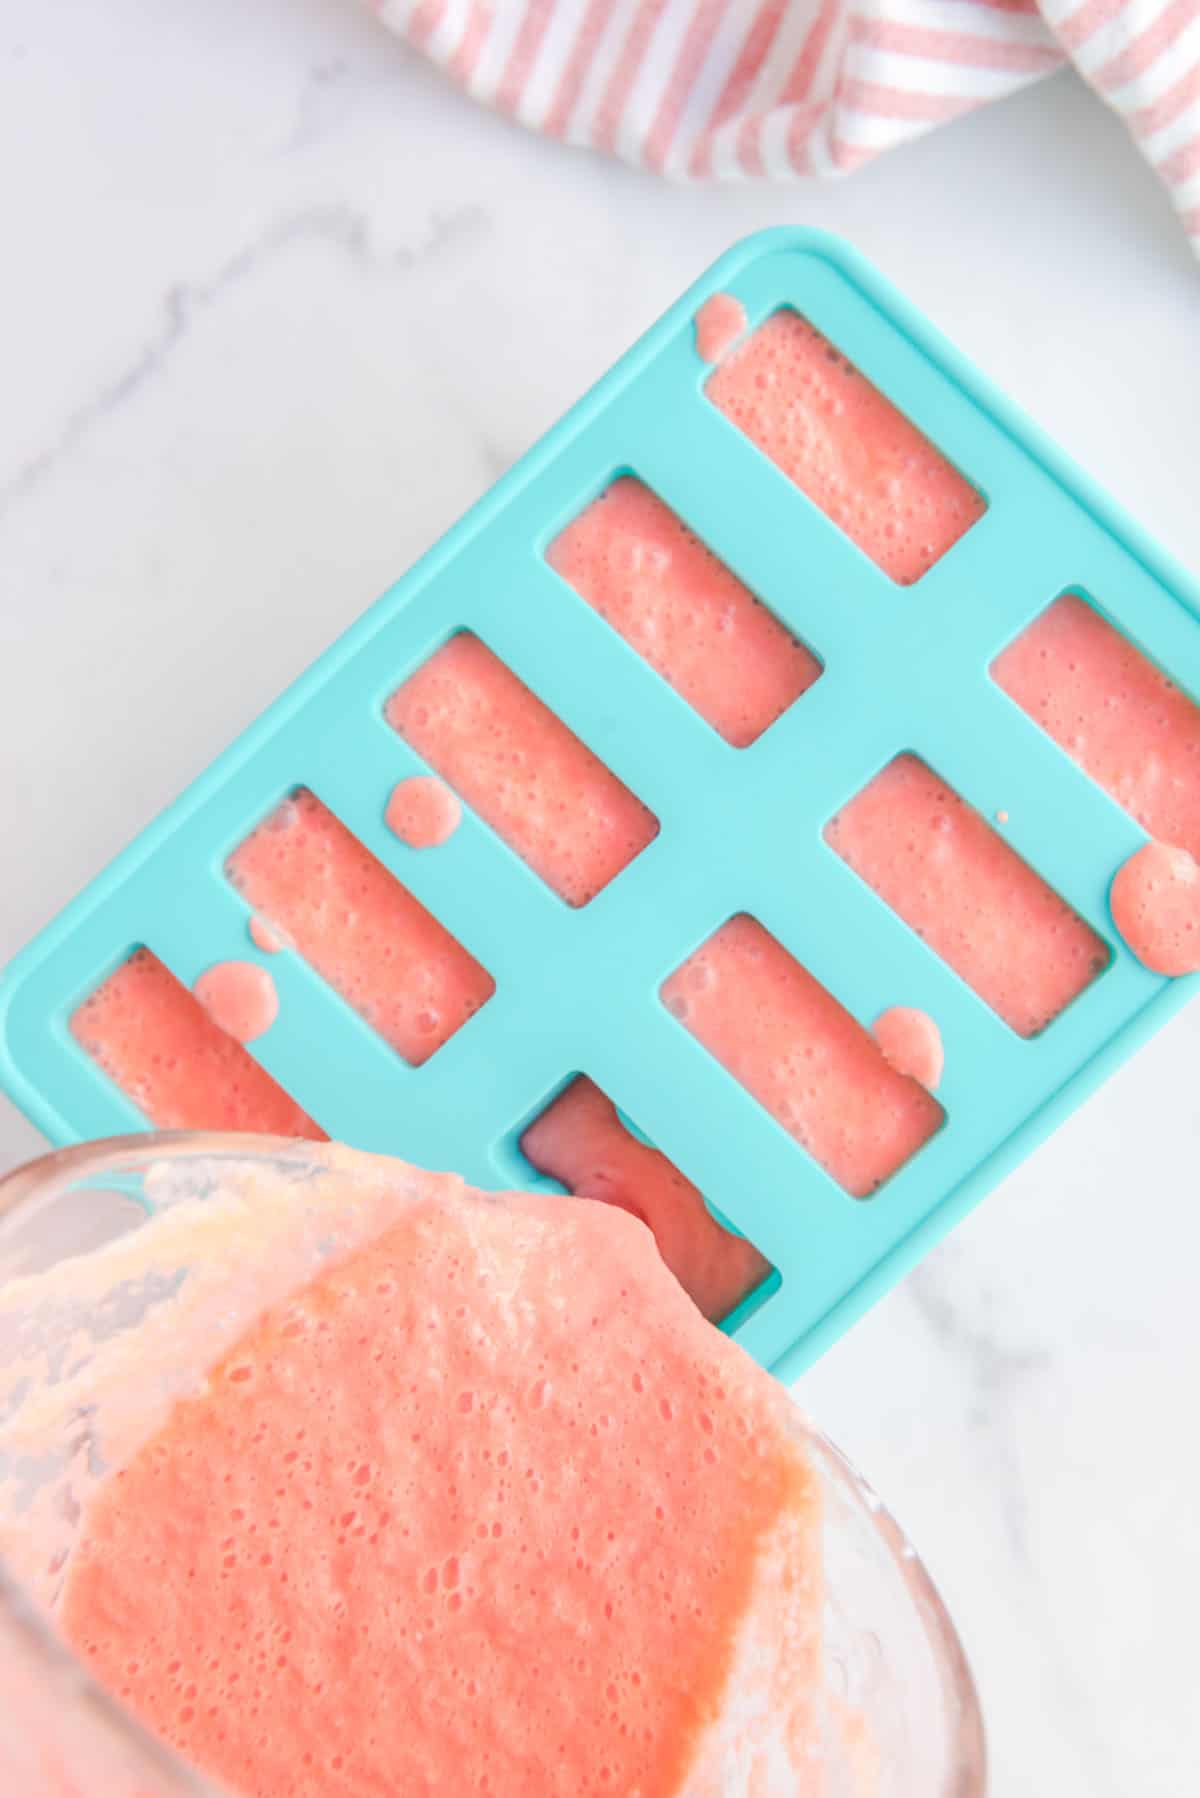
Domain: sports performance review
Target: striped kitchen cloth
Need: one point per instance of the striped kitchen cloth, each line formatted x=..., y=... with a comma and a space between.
x=779, y=88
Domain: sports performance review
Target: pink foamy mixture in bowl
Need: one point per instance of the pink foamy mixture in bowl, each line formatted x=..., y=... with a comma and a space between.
x=384, y=1485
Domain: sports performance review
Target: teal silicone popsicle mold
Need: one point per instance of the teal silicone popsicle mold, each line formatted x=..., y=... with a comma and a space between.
x=905, y=668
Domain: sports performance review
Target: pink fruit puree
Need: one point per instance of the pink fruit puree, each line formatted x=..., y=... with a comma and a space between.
x=846, y=446
x=802, y=1055
x=1114, y=712
x=719, y=323
x=484, y=1508
x=155, y=1040
x=960, y=886
x=654, y=581
x=1156, y=907
x=266, y=937
x=912, y=1043
x=580, y=1140
x=521, y=769
x=423, y=812
x=359, y=927
x=1137, y=735
x=240, y=998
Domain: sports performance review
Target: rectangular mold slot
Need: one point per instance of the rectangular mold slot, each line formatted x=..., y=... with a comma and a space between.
x=581, y=1140
x=359, y=927
x=844, y=444
x=523, y=771
x=155, y=1041
x=801, y=1054
x=941, y=867
x=675, y=602
x=1114, y=712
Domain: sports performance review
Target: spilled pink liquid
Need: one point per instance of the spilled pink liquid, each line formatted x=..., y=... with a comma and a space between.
x=719, y=323
x=423, y=812
x=1155, y=903
x=912, y=1043
x=240, y=998
x=266, y=937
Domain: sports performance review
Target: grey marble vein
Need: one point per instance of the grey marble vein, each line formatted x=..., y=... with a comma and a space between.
x=323, y=103
x=338, y=226
x=495, y=458
x=995, y=1368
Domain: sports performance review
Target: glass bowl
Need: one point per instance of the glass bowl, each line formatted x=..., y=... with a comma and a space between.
x=94, y=1346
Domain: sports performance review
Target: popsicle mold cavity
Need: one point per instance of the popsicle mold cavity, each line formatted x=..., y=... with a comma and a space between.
x=359, y=927
x=521, y=769
x=1114, y=712
x=939, y=864
x=845, y=445
x=158, y=1044
x=778, y=1031
x=580, y=1140
x=652, y=579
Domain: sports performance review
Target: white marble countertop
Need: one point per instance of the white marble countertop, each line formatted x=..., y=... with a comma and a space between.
x=277, y=305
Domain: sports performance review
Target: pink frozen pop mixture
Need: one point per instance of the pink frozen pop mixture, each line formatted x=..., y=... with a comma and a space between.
x=580, y=1140
x=1137, y=735
x=638, y=564
x=266, y=937
x=846, y=446
x=423, y=812
x=1114, y=712
x=912, y=1043
x=719, y=323
x=484, y=1508
x=802, y=1055
x=521, y=769
x=1156, y=906
x=154, y=1040
x=359, y=927
x=240, y=998
x=960, y=886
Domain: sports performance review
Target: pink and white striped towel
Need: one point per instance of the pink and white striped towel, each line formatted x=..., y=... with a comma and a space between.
x=779, y=88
